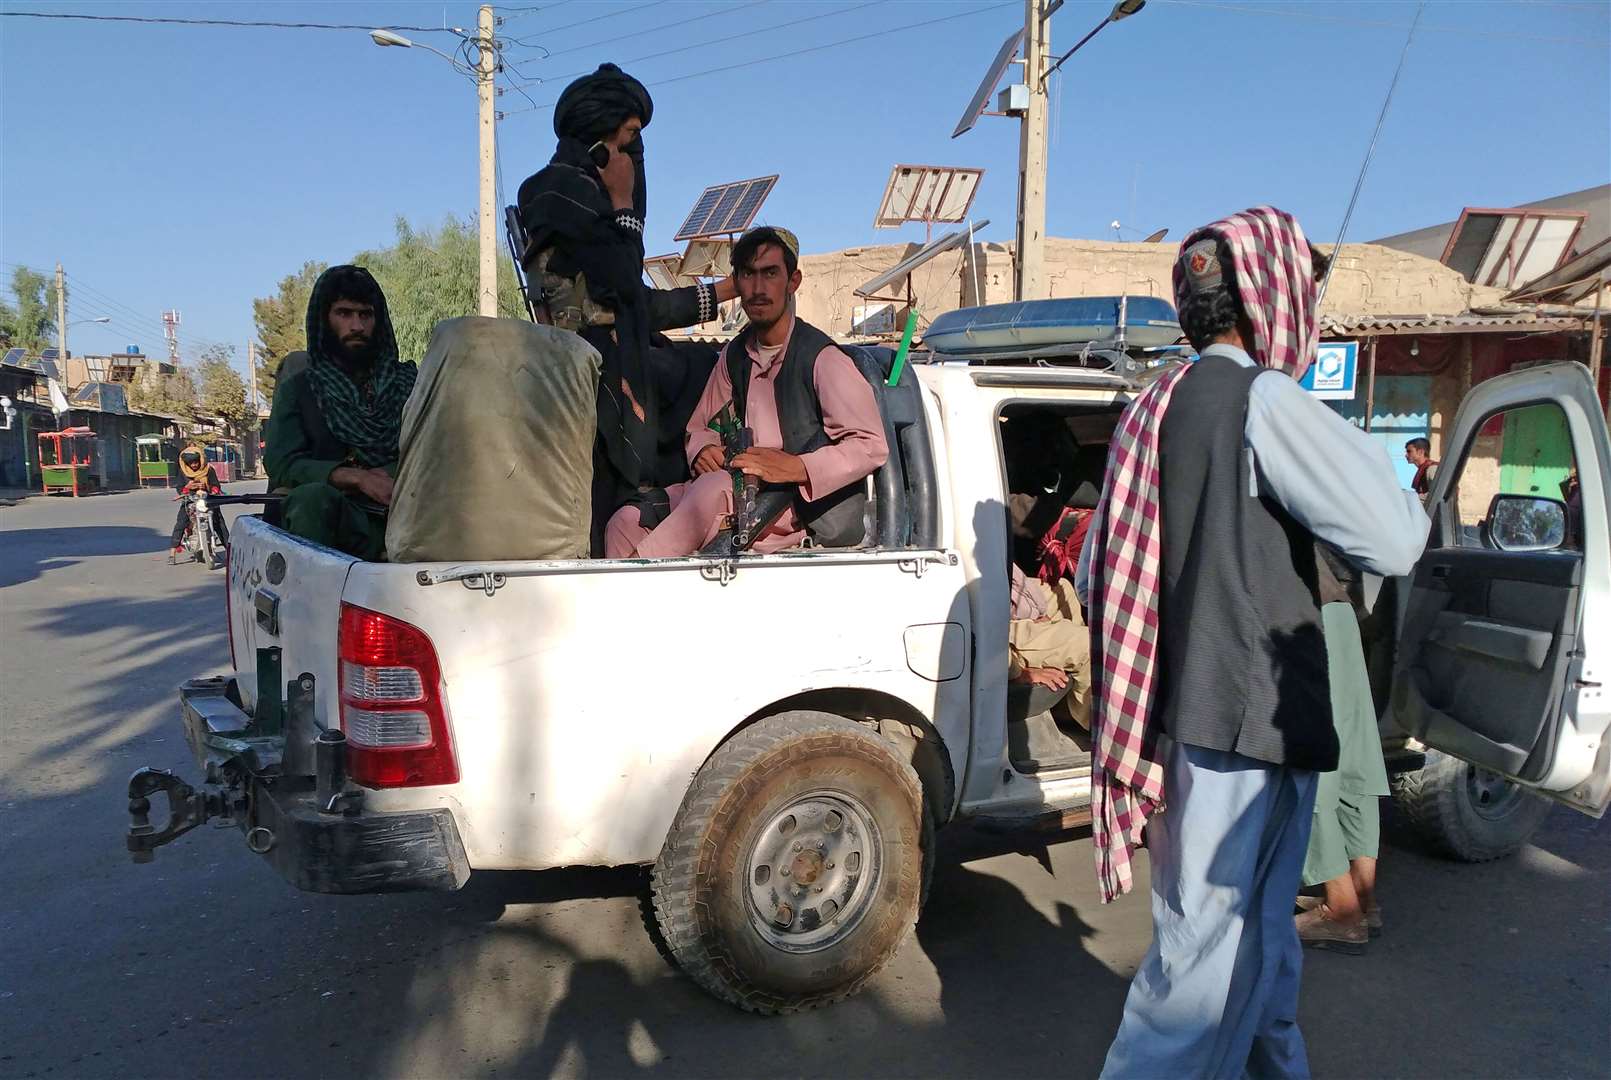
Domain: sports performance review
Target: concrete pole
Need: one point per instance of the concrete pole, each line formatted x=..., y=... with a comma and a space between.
x=251, y=367
x=488, y=285
x=61, y=321
x=1029, y=283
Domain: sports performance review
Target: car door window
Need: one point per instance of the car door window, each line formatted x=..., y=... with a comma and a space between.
x=1517, y=489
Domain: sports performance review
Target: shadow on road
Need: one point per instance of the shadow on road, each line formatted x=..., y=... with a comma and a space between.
x=32, y=551
x=563, y=986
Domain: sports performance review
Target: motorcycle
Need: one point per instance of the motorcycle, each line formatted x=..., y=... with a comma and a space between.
x=200, y=543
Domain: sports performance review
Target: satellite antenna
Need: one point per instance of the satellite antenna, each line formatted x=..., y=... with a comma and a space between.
x=981, y=96
x=1150, y=238
x=927, y=193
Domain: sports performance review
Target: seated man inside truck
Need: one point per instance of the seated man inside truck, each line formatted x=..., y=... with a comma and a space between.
x=1048, y=643
x=330, y=443
x=813, y=420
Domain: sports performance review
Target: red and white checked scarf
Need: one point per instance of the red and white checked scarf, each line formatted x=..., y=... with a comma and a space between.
x=1274, y=279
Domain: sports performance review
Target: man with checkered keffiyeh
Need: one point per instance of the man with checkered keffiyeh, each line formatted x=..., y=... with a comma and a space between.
x=1211, y=708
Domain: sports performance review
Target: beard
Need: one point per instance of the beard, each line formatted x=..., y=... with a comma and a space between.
x=356, y=352
x=775, y=314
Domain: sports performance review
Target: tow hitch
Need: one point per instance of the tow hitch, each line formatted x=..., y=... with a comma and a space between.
x=187, y=808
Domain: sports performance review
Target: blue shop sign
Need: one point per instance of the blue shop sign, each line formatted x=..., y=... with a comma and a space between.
x=1333, y=373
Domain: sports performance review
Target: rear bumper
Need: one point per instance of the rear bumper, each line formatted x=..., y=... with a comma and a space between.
x=354, y=852
x=316, y=842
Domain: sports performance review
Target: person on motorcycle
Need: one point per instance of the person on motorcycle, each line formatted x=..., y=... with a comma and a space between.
x=199, y=476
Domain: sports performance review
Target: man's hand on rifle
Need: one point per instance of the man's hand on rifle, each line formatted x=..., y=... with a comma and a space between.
x=709, y=459
x=771, y=466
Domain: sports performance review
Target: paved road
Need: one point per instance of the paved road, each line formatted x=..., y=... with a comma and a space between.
x=206, y=964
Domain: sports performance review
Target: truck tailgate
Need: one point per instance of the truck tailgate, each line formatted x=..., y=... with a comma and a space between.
x=285, y=591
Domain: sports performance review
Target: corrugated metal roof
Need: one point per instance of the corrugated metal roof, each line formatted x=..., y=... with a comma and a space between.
x=1466, y=323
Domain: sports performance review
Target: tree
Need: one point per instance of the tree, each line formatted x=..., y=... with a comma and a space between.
x=29, y=323
x=428, y=275
x=281, y=322
x=223, y=393
x=158, y=394
x=431, y=275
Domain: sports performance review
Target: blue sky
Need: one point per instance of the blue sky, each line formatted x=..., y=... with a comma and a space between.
x=191, y=168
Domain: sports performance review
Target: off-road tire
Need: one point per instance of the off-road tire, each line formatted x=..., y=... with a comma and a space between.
x=701, y=881
x=1438, y=803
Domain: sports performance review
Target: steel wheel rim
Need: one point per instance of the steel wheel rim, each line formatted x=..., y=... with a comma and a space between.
x=812, y=871
x=1491, y=795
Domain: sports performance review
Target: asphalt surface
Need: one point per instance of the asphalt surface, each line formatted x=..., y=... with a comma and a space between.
x=205, y=963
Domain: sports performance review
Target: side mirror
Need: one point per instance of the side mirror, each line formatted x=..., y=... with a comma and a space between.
x=1525, y=523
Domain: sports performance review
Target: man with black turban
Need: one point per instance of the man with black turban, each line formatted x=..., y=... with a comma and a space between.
x=583, y=215
x=331, y=438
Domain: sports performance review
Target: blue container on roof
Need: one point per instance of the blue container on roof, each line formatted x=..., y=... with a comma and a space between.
x=1149, y=323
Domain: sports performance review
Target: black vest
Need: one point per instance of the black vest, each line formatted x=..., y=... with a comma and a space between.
x=836, y=519
x=1242, y=657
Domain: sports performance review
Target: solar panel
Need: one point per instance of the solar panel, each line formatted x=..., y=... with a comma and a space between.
x=927, y=193
x=665, y=272
x=14, y=356
x=905, y=267
x=708, y=257
x=49, y=354
x=981, y=96
x=726, y=208
x=1508, y=247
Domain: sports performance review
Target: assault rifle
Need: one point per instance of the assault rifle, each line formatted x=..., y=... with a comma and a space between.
x=746, y=489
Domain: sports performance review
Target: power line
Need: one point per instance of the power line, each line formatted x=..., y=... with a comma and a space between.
x=801, y=52
x=652, y=30
x=587, y=22
x=1251, y=9
x=262, y=25
x=533, y=9
x=715, y=41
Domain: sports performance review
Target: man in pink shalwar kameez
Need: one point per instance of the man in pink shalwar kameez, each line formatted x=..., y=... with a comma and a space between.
x=814, y=419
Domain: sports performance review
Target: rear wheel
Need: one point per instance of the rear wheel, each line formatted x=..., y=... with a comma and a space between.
x=795, y=866
x=1467, y=812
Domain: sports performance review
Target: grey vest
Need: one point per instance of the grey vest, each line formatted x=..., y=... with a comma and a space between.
x=1243, y=659
x=837, y=519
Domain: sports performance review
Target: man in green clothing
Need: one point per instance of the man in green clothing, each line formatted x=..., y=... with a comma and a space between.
x=331, y=438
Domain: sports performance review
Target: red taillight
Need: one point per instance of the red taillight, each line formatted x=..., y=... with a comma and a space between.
x=391, y=703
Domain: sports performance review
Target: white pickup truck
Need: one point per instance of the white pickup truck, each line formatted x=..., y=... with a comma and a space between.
x=778, y=736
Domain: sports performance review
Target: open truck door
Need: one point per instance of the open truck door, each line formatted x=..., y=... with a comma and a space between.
x=1505, y=631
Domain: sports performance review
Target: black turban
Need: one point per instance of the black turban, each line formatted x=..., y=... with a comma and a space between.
x=596, y=105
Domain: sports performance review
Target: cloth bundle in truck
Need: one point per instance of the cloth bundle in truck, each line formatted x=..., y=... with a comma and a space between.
x=497, y=446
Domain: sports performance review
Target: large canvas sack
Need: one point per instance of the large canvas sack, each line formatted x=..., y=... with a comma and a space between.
x=496, y=446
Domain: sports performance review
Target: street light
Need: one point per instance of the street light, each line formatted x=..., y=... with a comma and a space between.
x=1122, y=10
x=385, y=38
x=487, y=285
x=101, y=319
x=1029, y=278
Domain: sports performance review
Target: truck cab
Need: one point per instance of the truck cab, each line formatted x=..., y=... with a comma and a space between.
x=777, y=737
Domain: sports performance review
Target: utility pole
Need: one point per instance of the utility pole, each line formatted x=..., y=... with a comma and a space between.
x=485, y=70
x=61, y=320
x=251, y=366
x=1029, y=281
